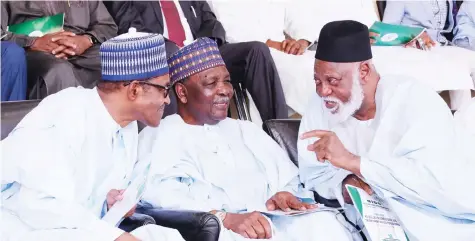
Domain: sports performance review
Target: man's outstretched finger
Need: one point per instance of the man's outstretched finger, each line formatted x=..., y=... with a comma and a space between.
x=314, y=133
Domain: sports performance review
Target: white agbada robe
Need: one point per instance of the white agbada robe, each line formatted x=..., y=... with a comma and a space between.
x=59, y=163
x=444, y=68
x=410, y=155
x=232, y=166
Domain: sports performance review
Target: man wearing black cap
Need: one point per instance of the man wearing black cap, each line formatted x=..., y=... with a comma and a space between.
x=387, y=135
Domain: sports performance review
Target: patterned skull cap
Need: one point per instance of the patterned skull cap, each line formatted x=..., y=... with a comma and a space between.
x=200, y=55
x=133, y=56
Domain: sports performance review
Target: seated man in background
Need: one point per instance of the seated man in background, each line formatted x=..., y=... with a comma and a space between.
x=181, y=22
x=436, y=16
x=64, y=59
x=387, y=135
x=69, y=160
x=204, y=161
x=13, y=72
x=244, y=21
x=464, y=32
x=436, y=68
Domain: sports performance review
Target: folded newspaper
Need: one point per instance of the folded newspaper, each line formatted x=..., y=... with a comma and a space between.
x=380, y=222
x=394, y=35
x=40, y=26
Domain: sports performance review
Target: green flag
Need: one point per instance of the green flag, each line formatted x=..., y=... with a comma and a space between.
x=40, y=26
x=393, y=35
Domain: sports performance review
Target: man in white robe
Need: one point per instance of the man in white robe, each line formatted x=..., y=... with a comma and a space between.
x=69, y=160
x=202, y=160
x=391, y=136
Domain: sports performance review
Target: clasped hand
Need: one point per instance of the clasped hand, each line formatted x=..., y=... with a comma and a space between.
x=289, y=46
x=62, y=44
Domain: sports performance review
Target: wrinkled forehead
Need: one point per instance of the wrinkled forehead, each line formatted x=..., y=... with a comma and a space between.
x=323, y=68
x=218, y=73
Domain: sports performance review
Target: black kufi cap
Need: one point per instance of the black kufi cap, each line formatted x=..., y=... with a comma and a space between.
x=344, y=41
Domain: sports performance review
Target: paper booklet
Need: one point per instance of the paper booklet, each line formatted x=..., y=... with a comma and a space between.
x=40, y=26
x=319, y=208
x=394, y=35
x=380, y=222
x=131, y=197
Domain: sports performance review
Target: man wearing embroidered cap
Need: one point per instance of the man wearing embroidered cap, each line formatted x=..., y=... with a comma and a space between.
x=389, y=135
x=205, y=161
x=67, y=162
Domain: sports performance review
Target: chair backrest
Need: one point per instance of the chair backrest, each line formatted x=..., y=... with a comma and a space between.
x=13, y=112
x=285, y=133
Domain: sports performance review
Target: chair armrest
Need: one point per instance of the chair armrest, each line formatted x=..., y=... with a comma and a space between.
x=135, y=221
x=192, y=225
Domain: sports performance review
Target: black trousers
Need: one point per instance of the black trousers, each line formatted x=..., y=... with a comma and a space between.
x=251, y=65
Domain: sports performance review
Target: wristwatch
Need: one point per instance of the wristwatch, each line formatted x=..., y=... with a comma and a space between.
x=92, y=38
x=221, y=215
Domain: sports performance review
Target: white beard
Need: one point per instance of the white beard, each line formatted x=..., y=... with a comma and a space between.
x=343, y=111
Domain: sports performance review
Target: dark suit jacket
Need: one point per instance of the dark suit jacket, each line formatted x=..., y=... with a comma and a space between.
x=147, y=17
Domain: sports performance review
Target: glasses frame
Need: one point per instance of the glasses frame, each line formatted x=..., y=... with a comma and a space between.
x=166, y=88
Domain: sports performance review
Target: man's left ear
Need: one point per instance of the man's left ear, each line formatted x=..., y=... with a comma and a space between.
x=365, y=71
x=133, y=90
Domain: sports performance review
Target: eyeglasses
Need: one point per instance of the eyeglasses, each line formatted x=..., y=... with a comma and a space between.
x=166, y=89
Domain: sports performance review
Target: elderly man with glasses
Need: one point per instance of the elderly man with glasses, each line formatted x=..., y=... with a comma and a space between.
x=69, y=160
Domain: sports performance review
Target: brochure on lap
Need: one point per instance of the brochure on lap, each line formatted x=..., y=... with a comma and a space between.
x=380, y=222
